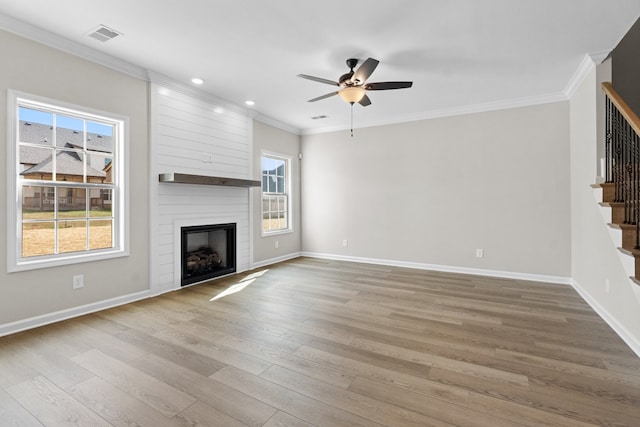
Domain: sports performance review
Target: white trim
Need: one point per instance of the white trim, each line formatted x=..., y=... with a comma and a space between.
x=586, y=65
x=120, y=181
x=275, y=260
x=250, y=173
x=277, y=124
x=289, y=180
x=454, y=111
x=45, y=319
x=600, y=56
x=55, y=41
x=632, y=341
x=445, y=268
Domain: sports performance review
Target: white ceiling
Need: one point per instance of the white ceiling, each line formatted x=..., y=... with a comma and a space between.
x=460, y=54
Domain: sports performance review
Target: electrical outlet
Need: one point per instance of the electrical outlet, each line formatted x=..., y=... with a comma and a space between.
x=345, y=243
x=479, y=253
x=78, y=281
x=277, y=244
x=207, y=157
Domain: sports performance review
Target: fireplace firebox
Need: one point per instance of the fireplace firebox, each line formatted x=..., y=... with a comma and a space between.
x=208, y=251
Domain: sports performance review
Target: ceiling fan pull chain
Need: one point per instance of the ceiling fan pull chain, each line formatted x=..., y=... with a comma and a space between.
x=352, y=120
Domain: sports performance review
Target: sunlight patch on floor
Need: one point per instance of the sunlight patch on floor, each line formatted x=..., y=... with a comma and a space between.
x=246, y=281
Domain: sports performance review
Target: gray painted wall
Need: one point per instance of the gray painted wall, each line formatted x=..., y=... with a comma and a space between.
x=434, y=191
x=269, y=138
x=40, y=70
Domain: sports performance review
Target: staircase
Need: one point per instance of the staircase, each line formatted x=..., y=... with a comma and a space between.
x=621, y=189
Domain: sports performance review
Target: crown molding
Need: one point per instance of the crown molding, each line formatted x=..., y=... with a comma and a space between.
x=600, y=56
x=47, y=38
x=277, y=124
x=586, y=65
x=455, y=111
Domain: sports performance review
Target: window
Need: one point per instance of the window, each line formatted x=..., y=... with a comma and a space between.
x=68, y=181
x=276, y=199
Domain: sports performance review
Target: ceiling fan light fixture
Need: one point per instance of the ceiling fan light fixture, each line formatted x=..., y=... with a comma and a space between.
x=352, y=94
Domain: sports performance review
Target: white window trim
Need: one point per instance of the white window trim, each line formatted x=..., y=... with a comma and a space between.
x=121, y=180
x=289, y=165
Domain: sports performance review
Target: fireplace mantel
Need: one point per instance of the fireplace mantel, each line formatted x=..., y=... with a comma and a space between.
x=183, y=178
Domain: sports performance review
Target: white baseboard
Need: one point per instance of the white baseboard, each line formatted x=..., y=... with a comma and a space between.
x=445, y=268
x=45, y=319
x=282, y=258
x=632, y=341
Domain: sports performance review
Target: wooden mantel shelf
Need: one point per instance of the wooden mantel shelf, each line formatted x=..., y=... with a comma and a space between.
x=183, y=178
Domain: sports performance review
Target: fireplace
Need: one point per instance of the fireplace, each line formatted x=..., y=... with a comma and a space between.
x=208, y=251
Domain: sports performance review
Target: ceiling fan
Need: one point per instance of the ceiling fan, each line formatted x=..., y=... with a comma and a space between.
x=353, y=84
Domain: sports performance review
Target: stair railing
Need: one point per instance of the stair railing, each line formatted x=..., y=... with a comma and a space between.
x=622, y=156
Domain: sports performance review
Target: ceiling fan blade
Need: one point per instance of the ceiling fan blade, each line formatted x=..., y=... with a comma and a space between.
x=388, y=85
x=319, y=79
x=365, y=101
x=364, y=71
x=323, y=97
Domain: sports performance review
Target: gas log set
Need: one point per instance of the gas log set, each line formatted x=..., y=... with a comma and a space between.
x=202, y=261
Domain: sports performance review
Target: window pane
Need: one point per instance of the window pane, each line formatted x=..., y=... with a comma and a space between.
x=35, y=127
x=265, y=164
x=99, y=137
x=279, y=169
x=101, y=202
x=69, y=132
x=265, y=180
x=282, y=204
x=69, y=166
x=72, y=236
x=98, y=168
x=272, y=184
x=72, y=202
x=100, y=234
x=280, y=185
x=265, y=221
x=38, y=239
x=283, y=221
x=36, y=162
x=38, y=202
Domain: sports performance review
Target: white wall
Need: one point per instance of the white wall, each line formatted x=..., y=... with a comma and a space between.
x=275, y=140
x=595, y=258
x=186, y=128
x=431, y=192
x=37, y=296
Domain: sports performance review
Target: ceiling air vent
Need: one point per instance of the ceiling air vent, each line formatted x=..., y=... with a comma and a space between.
x=104, y=34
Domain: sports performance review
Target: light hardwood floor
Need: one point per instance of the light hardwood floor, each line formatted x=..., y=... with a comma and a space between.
x=317, y=342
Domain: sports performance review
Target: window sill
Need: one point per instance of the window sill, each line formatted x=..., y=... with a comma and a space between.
x=64, y=260
x=276, y=233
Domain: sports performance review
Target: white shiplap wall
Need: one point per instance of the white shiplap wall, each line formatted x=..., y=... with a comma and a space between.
x=196, y=135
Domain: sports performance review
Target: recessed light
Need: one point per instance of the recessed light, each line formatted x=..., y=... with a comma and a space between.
x=250, y=103
x=197, y=81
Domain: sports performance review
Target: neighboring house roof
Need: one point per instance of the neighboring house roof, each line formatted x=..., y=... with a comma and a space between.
x=67, y=163
x=37, y=133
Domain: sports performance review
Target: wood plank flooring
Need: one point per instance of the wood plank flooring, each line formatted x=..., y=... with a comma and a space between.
x=317, y=342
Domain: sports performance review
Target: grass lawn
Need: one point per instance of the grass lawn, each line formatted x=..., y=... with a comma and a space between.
x=39, y=238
